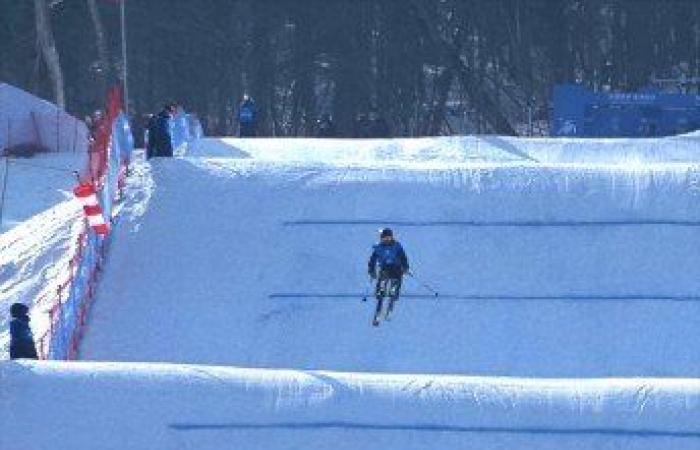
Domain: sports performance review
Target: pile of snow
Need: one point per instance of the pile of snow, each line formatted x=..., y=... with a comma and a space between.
x=34, y=261
x=460, y=151
x=118, y=405
x=253, y=253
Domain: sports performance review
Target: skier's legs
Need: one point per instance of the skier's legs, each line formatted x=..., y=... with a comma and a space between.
x=394, y=293
x=380, y=292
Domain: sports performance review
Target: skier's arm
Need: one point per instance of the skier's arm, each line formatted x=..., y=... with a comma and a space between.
x=372, y=263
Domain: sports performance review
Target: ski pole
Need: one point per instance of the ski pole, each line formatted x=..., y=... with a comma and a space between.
x=425, y=286
x=367, y=288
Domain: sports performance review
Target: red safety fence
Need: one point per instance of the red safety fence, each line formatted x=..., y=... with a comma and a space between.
x=70, y=305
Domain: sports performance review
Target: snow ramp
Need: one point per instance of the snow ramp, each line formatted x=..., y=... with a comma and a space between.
x=166, y=406
x=253, y=253
x=568, y=314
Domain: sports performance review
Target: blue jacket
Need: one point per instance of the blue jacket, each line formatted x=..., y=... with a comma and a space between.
x=389, y=256
x=247, y=114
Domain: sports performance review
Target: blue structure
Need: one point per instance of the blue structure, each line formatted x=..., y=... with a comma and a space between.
x=583, y=113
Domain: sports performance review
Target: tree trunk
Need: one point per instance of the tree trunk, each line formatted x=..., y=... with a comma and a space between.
x=102, y=52
x=47, y=46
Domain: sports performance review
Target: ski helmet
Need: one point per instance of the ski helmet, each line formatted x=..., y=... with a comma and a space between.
x=386, y=232
x=18, y=310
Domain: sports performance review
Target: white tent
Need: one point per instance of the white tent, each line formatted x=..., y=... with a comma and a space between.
x=27, y=119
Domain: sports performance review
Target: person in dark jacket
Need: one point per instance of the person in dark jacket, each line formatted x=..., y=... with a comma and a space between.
x=361, y=126
x=325, y=126
x=378, y=127
x=21, y=338
x=163, y=143
x=152, y=131
x=390, y=258
x=247, y=117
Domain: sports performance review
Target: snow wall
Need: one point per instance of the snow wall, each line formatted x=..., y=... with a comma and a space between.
x=27, y=119
x=174, y=406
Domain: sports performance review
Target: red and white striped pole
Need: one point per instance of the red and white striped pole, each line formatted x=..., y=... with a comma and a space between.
x=85, y=193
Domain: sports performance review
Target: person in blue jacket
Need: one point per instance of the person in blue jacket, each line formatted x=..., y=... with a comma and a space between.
x=21, y=338
x=247, y=117
x=389, y=257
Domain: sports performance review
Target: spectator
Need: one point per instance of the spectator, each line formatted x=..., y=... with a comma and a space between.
x=361, y=126
x=138, y=130
x=325, y=126
x=378, y=128
x=159, y=132
x=247, y=117
x=150, y=136
x=21, y=338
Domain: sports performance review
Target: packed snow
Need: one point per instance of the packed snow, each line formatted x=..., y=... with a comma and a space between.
x=253, y=253
x=34, y=185
x=166, y=406
x=568, y=314
x=40, y=225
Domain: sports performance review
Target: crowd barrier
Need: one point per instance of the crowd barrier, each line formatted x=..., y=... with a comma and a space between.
x=109, y=157
x=184, y=128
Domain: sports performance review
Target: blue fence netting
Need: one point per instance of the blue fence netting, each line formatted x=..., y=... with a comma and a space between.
x=67, y=325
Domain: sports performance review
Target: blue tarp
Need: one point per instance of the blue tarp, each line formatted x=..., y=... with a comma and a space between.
x=584, y=113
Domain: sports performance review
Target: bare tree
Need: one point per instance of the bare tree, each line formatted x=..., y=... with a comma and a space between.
x=47, y=45
x=100, y=37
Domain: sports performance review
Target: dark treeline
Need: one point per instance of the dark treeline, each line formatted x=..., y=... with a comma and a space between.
x=419, y=64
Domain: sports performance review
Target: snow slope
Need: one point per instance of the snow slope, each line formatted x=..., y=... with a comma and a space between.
x=40, y=223
x=569, y=313
x=36, y=184
x=253, y=253
x=165, y=406
x=34, y=261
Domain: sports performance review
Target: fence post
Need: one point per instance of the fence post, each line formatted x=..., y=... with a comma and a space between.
x=58, y=130
x=75, y=133
x=4, y=189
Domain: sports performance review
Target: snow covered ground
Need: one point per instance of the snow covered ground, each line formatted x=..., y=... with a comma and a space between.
x=253, y=253
x=568, y=315
x=165, y=406
x=41, y=221
x=37, y=184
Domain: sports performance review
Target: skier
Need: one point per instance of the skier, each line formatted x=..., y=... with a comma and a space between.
x=392, y=261
x=21, y=338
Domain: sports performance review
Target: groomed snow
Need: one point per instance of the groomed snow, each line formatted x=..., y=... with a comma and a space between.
x=569, y=314
x=164, y=406
x=37, y=184
x=253, y=253
x=40, y=223
x=34, y=261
